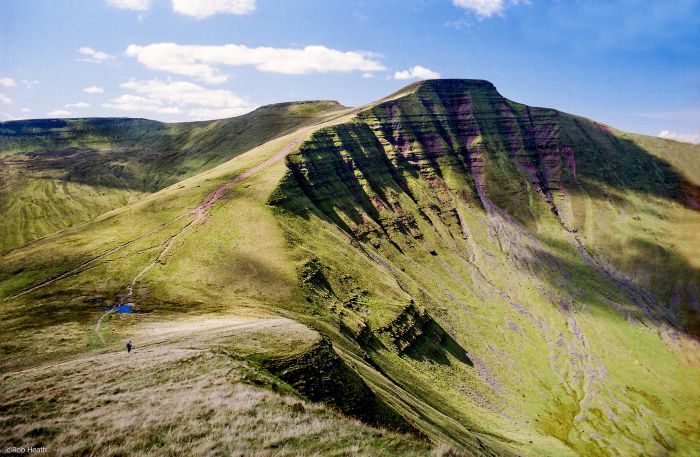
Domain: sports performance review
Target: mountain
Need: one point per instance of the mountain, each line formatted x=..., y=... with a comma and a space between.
x=55, y=173
x=442, y=271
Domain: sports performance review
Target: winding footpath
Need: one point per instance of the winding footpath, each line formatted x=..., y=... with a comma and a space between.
x=199, y=215
x=86, y=264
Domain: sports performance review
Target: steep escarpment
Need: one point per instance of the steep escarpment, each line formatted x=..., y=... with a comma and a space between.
x=454, y=142
x=501, y=279
x=533, y=283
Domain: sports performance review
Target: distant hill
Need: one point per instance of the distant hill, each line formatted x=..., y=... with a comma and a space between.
x=55, y=173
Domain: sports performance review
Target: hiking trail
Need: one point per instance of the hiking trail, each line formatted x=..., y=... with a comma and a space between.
x=199, y=215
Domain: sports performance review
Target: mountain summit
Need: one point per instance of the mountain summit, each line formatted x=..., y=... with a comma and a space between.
x=443, y=270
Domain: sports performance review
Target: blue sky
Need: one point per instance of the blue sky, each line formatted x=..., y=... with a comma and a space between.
x=630, y=63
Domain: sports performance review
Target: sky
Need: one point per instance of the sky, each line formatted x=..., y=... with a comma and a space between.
x=633, y=64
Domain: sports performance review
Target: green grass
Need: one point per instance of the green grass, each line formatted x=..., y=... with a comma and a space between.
x=58, y=173
x=462, y=301
x=518, y=297
x=167, y=399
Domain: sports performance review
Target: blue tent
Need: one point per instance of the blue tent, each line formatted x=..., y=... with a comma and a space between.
x=125, y=309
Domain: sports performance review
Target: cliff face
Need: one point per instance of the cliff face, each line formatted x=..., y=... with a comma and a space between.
x=456, y=143
x=544, y=246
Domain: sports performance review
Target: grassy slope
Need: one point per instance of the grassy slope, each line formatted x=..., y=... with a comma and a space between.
x=650, y=201
x=58, y=323
x=503, y=290
x=492, y=335
x=57, y=173
x=185, y=393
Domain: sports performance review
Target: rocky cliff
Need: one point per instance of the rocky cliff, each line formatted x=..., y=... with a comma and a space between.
x=534, y=283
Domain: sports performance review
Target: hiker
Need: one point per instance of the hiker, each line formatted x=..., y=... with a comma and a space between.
x=128, y=346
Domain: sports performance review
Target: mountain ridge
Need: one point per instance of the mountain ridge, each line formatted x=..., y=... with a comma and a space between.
x=508, y=280
x=47, y=170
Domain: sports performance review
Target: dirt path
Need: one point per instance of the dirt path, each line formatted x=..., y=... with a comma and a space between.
x=99, y=322
x=200, y=211
x=199, y=215
x=83, y=266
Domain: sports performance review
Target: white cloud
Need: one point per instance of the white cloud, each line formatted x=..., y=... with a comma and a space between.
x=94, y=90
x=134, y=5
x=482, y=8
x=417, y=72
x=92, y=55
x=367, y=75
x=77, y=105
x=7, y=82
x=205, y=114
x=184, y=93
x=486, y=8
x=59, y=113
x=30, y=83
x=202, y=62
x=11, y=117
x=201, y=9
x=4, y=99
x=129, y=102
x=176, y=97
x=26, y=110
x=685, y=137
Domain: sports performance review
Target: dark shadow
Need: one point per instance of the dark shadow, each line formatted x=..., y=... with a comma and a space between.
x=606, y=285
x=87, y=166
x=602, y=157
x=313, y=280
x=435, y=344
x=330, y=184
x=321, y=375
x=415, y=333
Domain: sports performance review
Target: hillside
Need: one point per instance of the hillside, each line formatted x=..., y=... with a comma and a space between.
x=454, y=272
x=55, y=173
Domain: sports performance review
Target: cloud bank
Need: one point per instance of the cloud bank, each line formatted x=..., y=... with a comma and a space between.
x=59, y=113
x=679, y=136
x=133, y=5
x=92, y=55
x=203, y=62
x=77, y=105
x=93, y=90
x=486, y=8
x=7, y=82
x=179, y=97
x=201, y=9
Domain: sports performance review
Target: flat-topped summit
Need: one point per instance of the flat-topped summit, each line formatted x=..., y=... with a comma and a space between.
x=444, y=84
x=455, y=83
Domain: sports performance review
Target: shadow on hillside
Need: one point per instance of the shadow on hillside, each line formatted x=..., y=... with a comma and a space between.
x=435, y=344
x=135, y=169
x=322, y=376
x=337, y=184
x=604, y=159
x=605, y=283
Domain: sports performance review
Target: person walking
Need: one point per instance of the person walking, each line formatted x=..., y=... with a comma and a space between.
x=129, y=346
